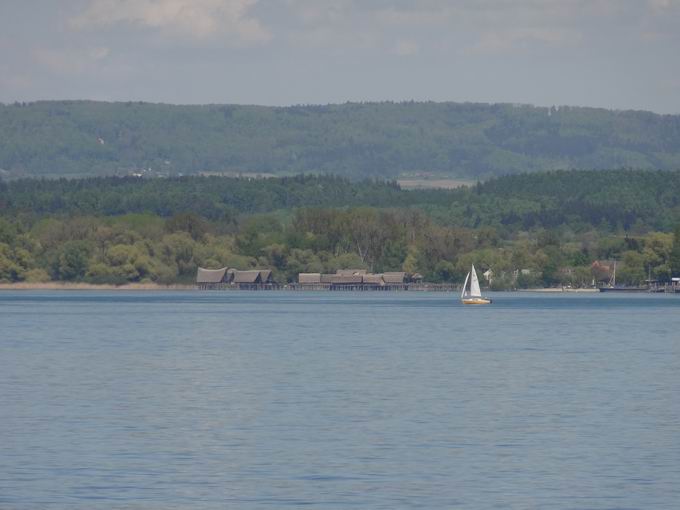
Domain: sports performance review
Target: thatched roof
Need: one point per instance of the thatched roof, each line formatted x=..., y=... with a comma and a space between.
x=265, y=275
x=339, y=279
x=247, y=276
x=309, y=278
x=210, y=275
x=327, y=278
x=373, y=279
x=350, y=272
x=394, y=277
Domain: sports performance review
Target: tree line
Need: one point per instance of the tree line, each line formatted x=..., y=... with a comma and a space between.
x=530, y=230
x=633, y=201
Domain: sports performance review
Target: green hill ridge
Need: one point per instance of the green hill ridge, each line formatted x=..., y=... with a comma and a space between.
x=354, y=140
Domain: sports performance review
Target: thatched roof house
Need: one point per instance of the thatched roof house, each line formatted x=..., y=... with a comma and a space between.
x=337, y=279
x=247, y=276
x=211, y=275
x=309, y=278
x=372, y=279
x=358, y=278
x=354, y=277
x=394, y=277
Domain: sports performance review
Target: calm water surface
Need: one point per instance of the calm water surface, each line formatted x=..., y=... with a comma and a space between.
x=338, y=400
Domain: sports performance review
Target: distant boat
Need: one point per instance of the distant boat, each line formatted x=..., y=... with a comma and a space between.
x=612, y=287
x=474, y=297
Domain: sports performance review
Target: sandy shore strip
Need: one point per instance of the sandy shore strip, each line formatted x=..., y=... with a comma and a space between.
x=90, y=286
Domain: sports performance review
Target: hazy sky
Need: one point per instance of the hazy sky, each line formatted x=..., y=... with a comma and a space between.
x=611, y=53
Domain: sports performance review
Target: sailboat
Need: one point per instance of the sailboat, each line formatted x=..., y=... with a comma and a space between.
x=612, y=287
x=474, y=297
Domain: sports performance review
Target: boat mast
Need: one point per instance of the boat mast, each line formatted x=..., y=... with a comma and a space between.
x=612, y=278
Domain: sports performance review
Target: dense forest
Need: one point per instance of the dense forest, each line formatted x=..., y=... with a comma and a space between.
x=610, y=200
x=530, y=229
x=355, y=140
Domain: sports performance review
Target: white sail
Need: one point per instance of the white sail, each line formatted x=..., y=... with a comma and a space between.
x=462, y=294
x=475, y=291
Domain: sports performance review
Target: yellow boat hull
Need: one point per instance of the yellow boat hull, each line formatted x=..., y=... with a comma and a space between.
x=476, y=301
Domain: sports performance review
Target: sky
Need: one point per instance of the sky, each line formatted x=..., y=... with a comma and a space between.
x=618, y=54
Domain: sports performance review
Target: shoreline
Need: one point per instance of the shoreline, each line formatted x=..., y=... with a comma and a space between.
x=187, y=287
x=91, y=286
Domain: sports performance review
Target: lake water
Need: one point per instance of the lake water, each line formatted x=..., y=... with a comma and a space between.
x=211, y=400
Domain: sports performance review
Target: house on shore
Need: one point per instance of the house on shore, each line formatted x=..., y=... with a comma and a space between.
x=256, y=279
x=206, y=278
x=229, y=278
x=353, y=279
x=309, y=278
x=675, y=284
x=395, y=278
x=343, y=279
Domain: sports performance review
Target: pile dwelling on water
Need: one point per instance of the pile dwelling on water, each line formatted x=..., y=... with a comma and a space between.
x=227, y=278
x=343, y=279
x=357, y=279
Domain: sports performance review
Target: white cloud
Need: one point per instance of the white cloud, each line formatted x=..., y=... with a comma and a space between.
x=198, y=19
x=70, y=60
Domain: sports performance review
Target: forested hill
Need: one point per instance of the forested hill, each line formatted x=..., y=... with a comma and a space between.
x=552, y=226
x=355, y=140
x=613, y=200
